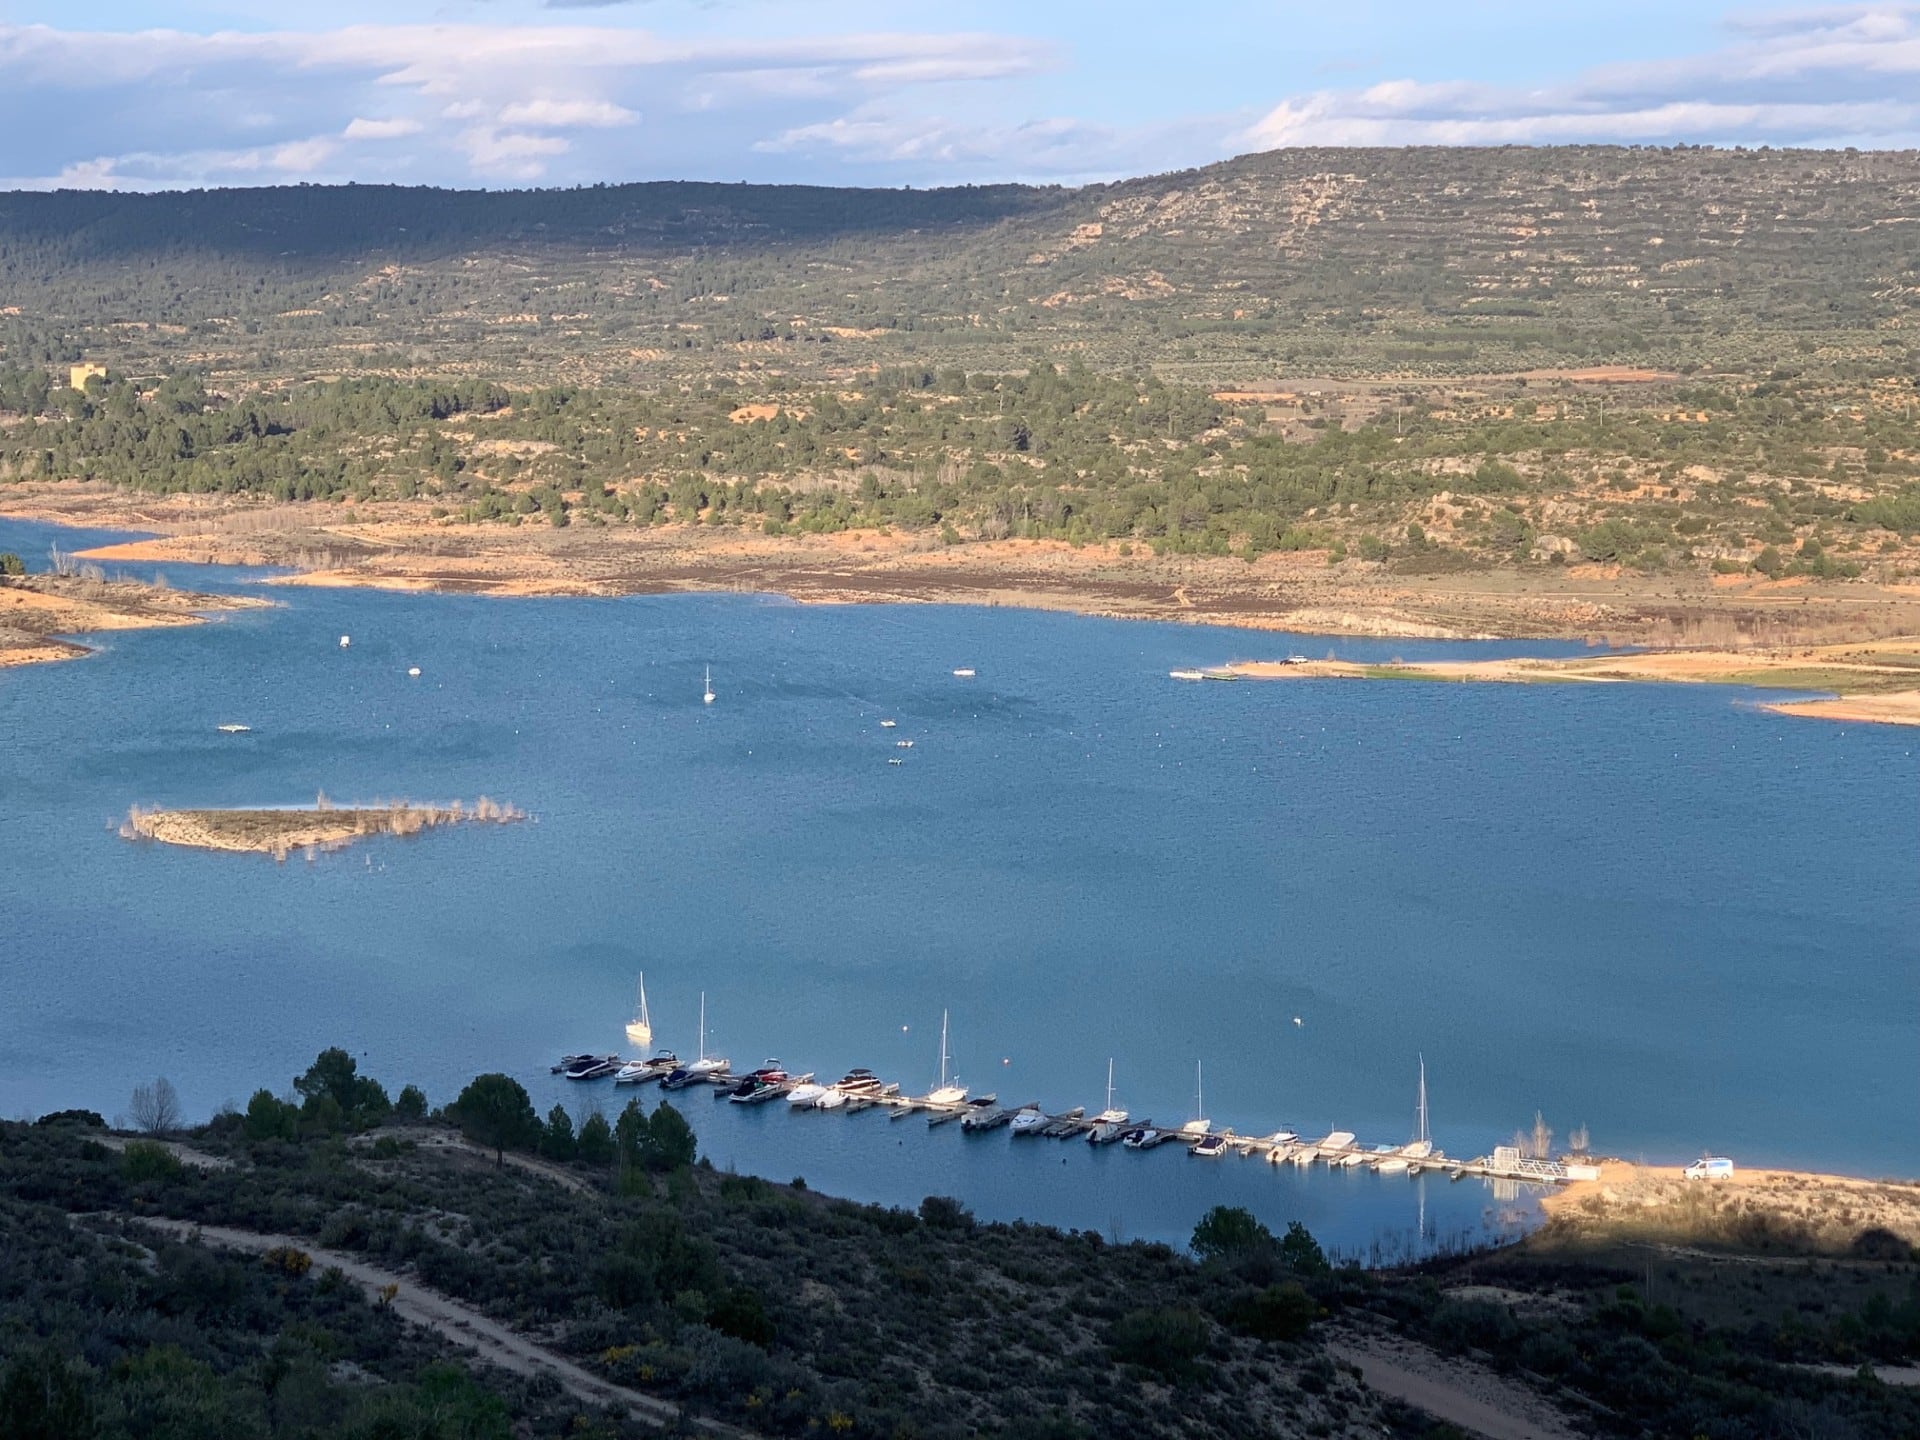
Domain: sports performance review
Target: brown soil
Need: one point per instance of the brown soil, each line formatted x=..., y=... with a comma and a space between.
x=325, y=827
x=399, y=545
x=1755, y=1211
x=1460, y=1392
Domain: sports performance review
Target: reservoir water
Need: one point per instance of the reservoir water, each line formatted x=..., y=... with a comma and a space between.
x=1659, y=912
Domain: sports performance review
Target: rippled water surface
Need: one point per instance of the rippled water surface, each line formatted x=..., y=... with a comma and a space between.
x=1656, y=911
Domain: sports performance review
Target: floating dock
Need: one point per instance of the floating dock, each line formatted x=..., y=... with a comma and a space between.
x=1338, y=1149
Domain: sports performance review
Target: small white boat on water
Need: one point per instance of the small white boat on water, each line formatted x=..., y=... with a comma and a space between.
x=830, y=1099
x=640, y=1028
x=707, y=697
x=1030, y=1120
x=963, y=674
x=632, y=1073
x=413, y=671
x=805, y=1097
x=1187, y=674
x=948, y=1091
x=345, y=641
x=903, y=744
x=888, y=724
x=235, y=729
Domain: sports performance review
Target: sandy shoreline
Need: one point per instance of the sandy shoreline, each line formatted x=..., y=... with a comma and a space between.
x=400, y=545
x=1885, y=675
x=36, y=610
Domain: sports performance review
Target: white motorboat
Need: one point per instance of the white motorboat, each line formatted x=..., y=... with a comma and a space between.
x=903, y=744
x=805, y=1097
x=888, y=724
x=1393, y=1165
x=413, y=672
x=1199, y=1124
x=859, y=1081
x=707, y=697
x=345, y=641
x=1352, y=1160
x=707, y=1064
x=1210, y=1147
x=963, y=674
x=1110, y=1115
x=632, y=1073
x=235, y=729
x=1334, y=1142
x=831, y=1099
x=640, y=1028
x=948, y=1091
x=1144, y=1138
x=1030, y=1120
x=1186, y=674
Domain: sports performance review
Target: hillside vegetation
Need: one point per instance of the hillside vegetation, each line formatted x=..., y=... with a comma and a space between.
x=1402, y=362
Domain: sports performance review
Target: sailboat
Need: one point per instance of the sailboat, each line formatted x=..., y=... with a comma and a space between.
x=707, y=1064
x=1421, y=1146
x=640, y=1028
x=1199, y=1124
x=948, y=1092
x=1108, y=1124
x=707, y=697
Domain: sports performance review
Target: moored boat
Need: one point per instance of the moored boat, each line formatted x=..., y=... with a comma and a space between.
x=1209, y=1146
x=1030, y=1121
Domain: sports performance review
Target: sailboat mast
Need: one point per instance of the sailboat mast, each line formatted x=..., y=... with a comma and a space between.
x=1420, y=1119
x=1109, y=1082
x=703, y=1024
x=943, y=1049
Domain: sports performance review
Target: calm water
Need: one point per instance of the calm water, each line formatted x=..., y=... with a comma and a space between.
x=1659, y=912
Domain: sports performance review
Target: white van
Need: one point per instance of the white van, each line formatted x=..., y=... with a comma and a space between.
x=1711, y=1167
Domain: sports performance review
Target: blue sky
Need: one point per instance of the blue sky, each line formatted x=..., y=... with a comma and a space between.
x=146, y=93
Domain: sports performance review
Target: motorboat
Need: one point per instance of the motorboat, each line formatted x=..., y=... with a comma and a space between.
x=1352, y=1160
x=903, y=744
x=949, y=1091
x=1333, y=1143
x=1210, y=1147
x=805, y=1097
x=1106, y=1132
x=831, y=1099
x=757, y=1092
x=1199, y=1124
x=1110, y=1115
x=607, y=1065
x=895, y=760
x=1141, y=1138
x=567, y=1062
x=633, y=1072
x=1186, y=674
x=963, y=673
x=235, y=729
x=678, y=1078
x=1030, y=1121
x=888, y=724
x=1282, y=1137
x=859, y=1081
x=985, y=1117
x=1280, y=1154
x=1393, y=1165
x=640, y=1028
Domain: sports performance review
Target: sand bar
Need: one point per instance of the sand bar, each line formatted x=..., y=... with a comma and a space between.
x=324, y=826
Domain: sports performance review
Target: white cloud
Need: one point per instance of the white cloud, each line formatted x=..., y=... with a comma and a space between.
x=519, y=103
x=394, y=129
x=566, y=114
x=1839, y=75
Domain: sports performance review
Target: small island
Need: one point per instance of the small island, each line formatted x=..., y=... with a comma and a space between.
x=1875, y=682
x=279, y=832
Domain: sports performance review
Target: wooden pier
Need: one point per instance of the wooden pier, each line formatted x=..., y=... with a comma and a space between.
x=1339, y=1149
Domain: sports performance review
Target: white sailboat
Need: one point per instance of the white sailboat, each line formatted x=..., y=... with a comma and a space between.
x=948, y=1091
x=707, y=1064
x=707, y=697
x=1110, y=1116
x=1199, y=1124
x=1422, y=1143
x=640, y=1028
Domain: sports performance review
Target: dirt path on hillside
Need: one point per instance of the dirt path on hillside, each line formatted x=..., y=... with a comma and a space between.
x=1456, y=1391
x=466, y=1327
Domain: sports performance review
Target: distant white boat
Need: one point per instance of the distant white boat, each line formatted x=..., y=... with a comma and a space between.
x=414, y=671
x=888, y=724
x=235, y=729
x=947, y=1092
x=1199, y=1124
x=830, y=1099
x=963, y=674
x=707, y=698
x=903, y=744
x=640, y=1028
x=1029, y=1120
x=1187, y=674
x=345, y=641
x=806, y=1097
x=895, y=760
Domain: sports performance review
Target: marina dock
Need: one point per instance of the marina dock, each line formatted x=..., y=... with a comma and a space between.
x=1338, y=1149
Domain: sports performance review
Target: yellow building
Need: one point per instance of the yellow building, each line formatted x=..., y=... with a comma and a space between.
x=78, y=376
